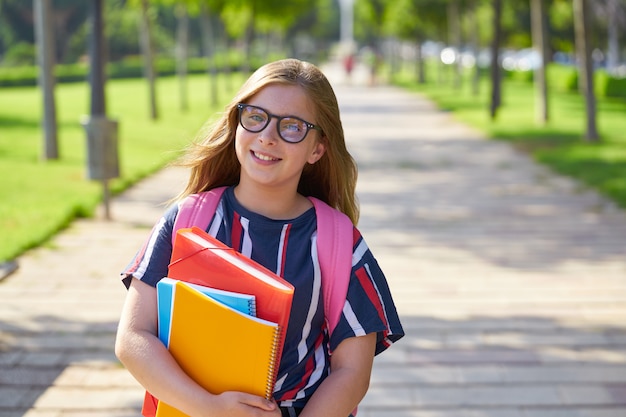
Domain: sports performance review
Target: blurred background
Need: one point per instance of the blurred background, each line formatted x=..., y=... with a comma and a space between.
x=135, y=80
x=242, y=34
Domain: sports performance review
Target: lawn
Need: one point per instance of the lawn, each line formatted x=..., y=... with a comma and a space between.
x=38, y=198
x=559, y=144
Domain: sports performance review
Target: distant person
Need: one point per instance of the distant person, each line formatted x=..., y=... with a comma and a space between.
x=278, y=142
x=348, y=64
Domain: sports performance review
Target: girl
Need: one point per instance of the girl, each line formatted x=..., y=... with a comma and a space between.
x=279, y=141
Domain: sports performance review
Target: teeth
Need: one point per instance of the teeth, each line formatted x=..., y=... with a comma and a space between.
x=264, y=157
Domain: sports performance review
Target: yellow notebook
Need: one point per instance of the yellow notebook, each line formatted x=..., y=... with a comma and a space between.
x=219, y=347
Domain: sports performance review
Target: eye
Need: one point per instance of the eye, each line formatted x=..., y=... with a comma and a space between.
x=255, y=116
x=292, y=125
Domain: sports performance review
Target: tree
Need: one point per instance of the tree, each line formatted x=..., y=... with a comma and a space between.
x=208, y=11
x=182, y=52
x=496, y=82
x=370, y=23
x=415, y=21
x=583, y=47
x=148, y=54
x=45, y=47
x=455, y=38
x=248, y=19
x=473, y=17
x=539, y=36
x=17, y=23
x=613, y=14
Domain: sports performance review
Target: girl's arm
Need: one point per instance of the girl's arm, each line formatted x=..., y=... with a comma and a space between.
x=142, y=353
x=347, y=384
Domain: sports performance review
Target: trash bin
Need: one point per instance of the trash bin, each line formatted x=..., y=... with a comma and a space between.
x=102, y=153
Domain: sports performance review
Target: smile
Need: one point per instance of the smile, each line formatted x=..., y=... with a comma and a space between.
x=264, y=157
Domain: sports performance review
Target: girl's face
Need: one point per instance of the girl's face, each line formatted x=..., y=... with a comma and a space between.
x=266, y=159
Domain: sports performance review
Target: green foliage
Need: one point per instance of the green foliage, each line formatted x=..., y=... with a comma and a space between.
x=18, y=76
x=525, y=76
x=610, y=86
x=23, y=53
x=563, y=78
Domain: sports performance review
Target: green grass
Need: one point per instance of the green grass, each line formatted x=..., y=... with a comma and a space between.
x=559, y=144
x=38, y=198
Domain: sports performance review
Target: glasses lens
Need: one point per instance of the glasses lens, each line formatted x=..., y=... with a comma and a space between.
x=292, y=130
x=253, y=119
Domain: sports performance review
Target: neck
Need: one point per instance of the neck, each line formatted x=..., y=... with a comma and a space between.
x=272, y=203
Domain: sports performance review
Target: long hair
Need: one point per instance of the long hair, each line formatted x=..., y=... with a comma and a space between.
x=332, y=179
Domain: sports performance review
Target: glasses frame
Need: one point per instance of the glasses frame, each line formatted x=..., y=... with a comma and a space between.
x=270, y=116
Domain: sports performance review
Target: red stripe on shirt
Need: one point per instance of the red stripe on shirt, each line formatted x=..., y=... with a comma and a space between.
x=372, y=294
x=236, y=232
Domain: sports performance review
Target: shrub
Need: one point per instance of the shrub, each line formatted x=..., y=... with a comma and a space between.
x=22, y=53
x=609, y=86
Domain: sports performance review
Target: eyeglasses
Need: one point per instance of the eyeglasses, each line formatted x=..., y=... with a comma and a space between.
x=290, y=128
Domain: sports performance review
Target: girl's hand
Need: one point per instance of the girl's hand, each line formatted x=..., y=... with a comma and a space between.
x=237, y=404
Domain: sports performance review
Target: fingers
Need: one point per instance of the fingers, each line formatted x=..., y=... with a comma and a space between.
x=236, y=403
x=259, y=402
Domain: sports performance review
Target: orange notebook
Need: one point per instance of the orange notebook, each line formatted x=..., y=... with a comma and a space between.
x=221, y=348
x=199, y=258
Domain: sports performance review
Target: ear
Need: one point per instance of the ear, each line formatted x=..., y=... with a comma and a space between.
x=317, y=153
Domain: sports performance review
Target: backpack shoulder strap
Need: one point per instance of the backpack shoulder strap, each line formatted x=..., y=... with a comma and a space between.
x=334, y=250
x=197, y=210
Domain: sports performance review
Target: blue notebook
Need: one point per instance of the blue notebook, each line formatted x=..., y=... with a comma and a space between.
x=166, y=289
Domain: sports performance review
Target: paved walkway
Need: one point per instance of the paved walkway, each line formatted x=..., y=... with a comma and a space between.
x=511, y=282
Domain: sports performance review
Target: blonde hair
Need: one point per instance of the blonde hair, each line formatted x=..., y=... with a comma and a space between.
x=332, y=179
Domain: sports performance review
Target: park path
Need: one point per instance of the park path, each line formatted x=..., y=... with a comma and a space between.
x=510, y=281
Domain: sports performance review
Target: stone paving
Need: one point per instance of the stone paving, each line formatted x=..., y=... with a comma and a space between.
x=510, y=280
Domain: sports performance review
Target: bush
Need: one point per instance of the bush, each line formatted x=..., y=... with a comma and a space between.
x=524, y=76
x=18, y=76
x=22, y=53
x=563, y=78
x=129, y=67
x=609, y=86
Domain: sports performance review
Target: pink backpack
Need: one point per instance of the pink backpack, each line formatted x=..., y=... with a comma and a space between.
x=334, y=251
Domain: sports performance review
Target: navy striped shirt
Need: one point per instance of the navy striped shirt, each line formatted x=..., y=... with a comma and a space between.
x=287, y=248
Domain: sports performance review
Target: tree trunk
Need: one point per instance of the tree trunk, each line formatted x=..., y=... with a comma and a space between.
x=420, y=65
x=583, y=48
x=454, y=28
x=182, y=53
x=44, y=36
x=539, y=35
x=496, y=82
x=612, y=55
x=146, y=43
x=208, y=41
x=475, y=39
x=250, y=35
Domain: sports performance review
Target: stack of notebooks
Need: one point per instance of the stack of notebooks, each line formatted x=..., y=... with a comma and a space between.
x=222, y=316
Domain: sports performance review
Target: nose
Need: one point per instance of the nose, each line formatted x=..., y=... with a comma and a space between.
x=270, y=133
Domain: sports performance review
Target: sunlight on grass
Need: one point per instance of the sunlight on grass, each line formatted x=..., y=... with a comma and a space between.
x=38, y=198
x=559, y=144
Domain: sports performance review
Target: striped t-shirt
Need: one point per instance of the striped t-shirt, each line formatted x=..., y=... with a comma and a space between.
x=286, y=247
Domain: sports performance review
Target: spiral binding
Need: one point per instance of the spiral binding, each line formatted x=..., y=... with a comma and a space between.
x=273, y=365
x=252, y=307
